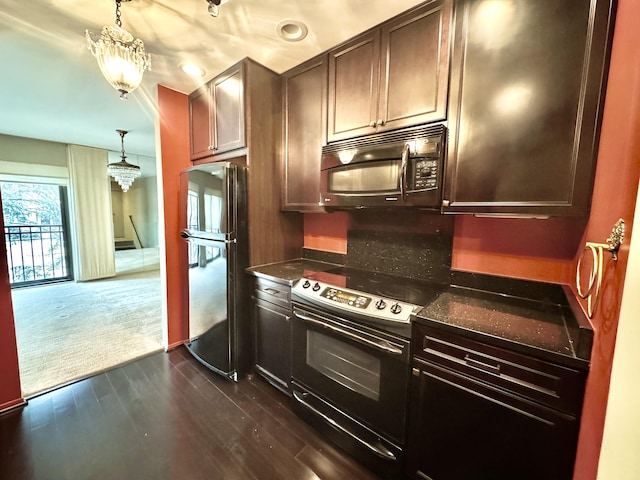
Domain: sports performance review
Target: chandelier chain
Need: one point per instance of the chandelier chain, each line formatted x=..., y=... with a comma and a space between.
x=122, y=134
x=118, y=21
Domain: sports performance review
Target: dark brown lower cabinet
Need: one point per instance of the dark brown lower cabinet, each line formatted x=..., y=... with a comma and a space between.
x=272, y=315
x=464, y=428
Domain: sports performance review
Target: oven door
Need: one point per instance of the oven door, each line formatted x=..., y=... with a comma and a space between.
x=359, y=371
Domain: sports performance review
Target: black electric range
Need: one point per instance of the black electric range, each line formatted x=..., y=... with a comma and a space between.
x=380, y=300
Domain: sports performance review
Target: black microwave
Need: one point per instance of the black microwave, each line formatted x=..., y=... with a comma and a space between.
x=401, y=168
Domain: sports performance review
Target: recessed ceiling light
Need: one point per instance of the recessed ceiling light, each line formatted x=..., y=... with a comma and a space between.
x=191, y=69
x=291, y=30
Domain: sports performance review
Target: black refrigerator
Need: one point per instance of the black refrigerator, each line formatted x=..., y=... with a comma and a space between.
x=215, y=198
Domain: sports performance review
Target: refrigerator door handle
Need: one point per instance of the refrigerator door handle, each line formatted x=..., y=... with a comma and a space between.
x=208, y=237
x=211, y=243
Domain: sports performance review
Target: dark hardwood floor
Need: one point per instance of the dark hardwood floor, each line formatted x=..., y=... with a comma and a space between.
x=166, y=417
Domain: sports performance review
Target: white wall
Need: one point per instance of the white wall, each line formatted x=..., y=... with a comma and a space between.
x=619, y=456
x=29, y=150
x=22, y=158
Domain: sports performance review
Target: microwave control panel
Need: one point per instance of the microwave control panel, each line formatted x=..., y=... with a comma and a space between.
x=424, y=173
x=424, y=165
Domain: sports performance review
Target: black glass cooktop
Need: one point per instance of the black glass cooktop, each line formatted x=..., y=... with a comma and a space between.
x=417, y=292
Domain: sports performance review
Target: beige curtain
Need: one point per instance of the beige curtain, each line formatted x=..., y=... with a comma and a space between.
x=91, y=221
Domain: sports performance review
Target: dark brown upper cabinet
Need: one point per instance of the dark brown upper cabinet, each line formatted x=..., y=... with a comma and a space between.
x=304, y=90
x=216, y=114
x=527, y=90
x=392, y=76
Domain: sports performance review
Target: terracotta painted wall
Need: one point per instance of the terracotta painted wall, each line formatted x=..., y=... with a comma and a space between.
x=542, y=250
x=326, y=232
x=174, y=140
x=614, y=197
x=10, y=393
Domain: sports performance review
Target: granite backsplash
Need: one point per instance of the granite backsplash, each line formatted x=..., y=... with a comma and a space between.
x=412, y=255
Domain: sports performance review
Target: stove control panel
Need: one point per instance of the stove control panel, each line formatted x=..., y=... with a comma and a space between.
x=380, y=308
x=342, y=296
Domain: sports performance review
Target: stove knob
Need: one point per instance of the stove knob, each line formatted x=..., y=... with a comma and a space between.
x=306, y=284
x=396, y=308
x=380, y=304
x=316, y=287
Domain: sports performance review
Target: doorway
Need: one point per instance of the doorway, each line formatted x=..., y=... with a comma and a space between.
x=68, y=330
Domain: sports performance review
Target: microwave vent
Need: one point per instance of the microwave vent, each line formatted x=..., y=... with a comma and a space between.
x=394, y=136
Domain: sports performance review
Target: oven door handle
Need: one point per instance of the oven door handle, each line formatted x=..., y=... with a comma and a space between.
x=379, y=449
x=379, y=344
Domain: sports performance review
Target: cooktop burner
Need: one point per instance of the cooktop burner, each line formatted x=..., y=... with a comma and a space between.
x=361, y=295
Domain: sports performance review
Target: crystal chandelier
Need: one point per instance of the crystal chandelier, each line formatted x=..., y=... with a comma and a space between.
x=123, y=172
x=121, y=58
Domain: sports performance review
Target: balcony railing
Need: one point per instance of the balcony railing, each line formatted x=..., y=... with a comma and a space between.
x=36, y=254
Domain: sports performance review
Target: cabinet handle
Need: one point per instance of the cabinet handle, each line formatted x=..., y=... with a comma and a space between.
x=380, y=122
x=372, y=124
x=272, y=291
x=472, y=362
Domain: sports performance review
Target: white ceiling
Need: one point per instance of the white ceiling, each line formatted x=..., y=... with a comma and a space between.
x=51, y=87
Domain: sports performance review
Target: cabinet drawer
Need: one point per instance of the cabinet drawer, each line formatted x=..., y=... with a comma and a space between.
x=273, y=292
x=550, y=384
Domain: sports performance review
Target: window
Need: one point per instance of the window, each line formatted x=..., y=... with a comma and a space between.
x=36, y=233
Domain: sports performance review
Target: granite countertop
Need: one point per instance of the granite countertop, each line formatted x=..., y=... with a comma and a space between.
x=289, y=271
x=545, y=330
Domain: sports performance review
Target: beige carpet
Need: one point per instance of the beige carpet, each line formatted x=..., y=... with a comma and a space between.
x=70, y=330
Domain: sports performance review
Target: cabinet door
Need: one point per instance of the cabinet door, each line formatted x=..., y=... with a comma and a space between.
x=527, y=90
x=228, y=110
x=304, y=103
x=353, y=87
x=415, y=67
x=273, y=343
x=200, y=122
x=460, y=429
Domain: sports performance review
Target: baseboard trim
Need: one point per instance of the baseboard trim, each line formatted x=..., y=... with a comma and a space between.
x=8, y=406
x=175, y=345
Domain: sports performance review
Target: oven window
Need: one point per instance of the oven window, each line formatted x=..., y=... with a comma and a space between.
x=344, y=363
x=374, y=177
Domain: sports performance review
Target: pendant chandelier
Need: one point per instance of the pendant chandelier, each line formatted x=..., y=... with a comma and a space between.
x=121, y=58
x=123, y=172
